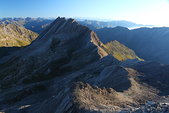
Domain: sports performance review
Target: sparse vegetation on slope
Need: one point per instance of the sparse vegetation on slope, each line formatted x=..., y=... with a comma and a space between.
x=14, y=36
x=151, y=44
x=119, y=51
x=84, y=82
x=34, y=24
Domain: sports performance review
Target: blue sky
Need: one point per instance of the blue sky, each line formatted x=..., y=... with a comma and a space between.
x=140, y=11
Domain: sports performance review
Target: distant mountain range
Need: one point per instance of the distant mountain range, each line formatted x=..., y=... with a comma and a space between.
x=34, y=24
x=110, y=24
x=39, y=24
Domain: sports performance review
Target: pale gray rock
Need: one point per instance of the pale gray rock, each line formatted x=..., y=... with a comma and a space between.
x=62, y=71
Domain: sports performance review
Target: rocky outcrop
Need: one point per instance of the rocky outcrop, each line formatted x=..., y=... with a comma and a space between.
x=68, y=70
x=64, y=45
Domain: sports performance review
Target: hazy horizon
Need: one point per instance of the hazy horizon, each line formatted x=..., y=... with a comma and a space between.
x=146, y=12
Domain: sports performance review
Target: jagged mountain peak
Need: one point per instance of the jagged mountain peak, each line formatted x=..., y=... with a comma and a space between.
x=68, y=63
x=63, y=25
x=69, y=36
x=65, y=41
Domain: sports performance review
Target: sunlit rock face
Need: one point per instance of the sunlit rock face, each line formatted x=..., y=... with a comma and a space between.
x=12, y=35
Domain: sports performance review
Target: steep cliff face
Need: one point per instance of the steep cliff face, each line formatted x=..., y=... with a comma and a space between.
x=67, y=69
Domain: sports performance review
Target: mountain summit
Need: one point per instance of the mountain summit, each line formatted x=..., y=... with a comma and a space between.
x=67, y=69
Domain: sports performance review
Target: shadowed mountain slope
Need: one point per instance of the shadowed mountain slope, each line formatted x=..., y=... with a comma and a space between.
x=68, y=70
x=149, y=43
x=64, y=45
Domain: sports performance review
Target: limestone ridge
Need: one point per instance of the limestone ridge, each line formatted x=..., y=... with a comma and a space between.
x=64, y=44
x=62, y=30
x=62, y=67
x=61, y=26
x=12, y=35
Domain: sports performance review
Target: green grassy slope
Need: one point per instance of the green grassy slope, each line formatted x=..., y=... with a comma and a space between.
x=119, y=51
x=15, y=36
